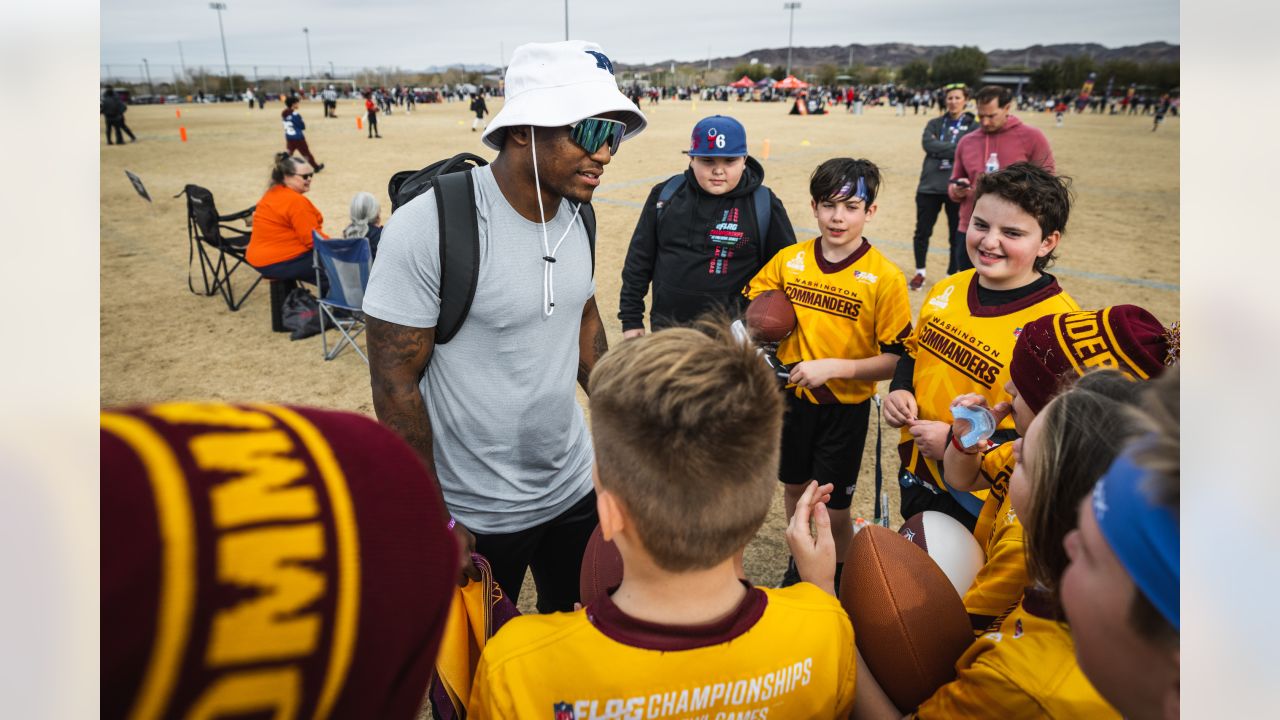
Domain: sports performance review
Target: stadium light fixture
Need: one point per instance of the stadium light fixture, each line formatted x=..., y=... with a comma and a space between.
x=220, y=6
x=791, y=7
x=310, y=70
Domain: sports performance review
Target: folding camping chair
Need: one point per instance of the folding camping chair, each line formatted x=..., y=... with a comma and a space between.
x=345, y=261
x=220, y=247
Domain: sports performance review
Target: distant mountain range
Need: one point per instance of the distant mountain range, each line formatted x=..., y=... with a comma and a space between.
x=899, y=54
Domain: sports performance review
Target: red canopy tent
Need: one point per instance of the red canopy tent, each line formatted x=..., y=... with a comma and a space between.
x=745, y=82
x=791, y=82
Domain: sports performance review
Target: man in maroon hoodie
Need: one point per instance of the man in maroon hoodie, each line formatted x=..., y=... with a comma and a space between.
x=1004, y=140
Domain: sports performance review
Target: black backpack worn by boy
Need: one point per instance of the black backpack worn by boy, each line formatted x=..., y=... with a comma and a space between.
x=459, y=231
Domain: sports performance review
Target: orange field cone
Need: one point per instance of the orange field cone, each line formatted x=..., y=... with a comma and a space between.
x=764, y=152
x=359, y=123
x=178, y=112
x=182, y=132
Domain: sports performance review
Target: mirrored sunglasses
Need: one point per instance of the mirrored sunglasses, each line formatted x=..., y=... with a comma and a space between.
x=592, y=133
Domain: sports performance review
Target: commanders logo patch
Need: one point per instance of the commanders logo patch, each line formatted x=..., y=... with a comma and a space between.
x=942, y=301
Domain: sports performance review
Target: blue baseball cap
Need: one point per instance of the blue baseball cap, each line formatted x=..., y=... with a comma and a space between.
x=718, y=136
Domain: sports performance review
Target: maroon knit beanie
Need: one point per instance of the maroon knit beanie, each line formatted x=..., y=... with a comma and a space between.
x=267, y=561
x=1122, y=337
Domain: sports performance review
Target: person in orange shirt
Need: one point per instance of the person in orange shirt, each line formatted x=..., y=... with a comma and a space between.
x=280, y=246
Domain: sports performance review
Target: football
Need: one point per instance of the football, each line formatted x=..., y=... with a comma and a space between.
x=770, y=316
x=908, y=621
x=601, y=568
x=949, y=543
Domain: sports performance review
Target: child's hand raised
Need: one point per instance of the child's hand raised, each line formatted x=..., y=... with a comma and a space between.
x=900, y=408
x=814, y=550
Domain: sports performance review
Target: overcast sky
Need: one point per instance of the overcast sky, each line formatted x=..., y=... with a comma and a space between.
x=418, y=34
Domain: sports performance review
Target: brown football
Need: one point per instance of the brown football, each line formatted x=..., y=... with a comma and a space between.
x=770, y=316
x=908, y=621
x=601, y=568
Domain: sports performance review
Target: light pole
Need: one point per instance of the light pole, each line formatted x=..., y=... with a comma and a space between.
x=220, y=6
x=566, y=19
x=147, y=69
x=310, y=70
x=792, y=7
x=332, y=75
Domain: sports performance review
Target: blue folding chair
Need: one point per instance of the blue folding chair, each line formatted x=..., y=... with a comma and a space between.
x=345, y=262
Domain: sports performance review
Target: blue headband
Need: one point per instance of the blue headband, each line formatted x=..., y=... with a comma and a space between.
x=860, y=192
x=1142, y=533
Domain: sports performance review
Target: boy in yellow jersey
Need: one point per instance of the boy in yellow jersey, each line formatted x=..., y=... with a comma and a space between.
x=968, y=325
x=852, y=314
x=1125, y=338
x=685, y=425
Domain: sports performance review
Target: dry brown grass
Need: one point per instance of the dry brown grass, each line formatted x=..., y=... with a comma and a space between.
x=159, y=342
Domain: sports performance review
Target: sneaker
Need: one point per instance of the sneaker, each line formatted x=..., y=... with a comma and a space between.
x=917, y=282
x=791, y=576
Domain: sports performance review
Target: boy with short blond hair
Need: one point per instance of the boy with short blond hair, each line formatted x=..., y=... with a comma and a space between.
x=685, y=423
x=852, y=315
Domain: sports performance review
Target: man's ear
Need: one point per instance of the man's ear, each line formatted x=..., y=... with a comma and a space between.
x=517, y=134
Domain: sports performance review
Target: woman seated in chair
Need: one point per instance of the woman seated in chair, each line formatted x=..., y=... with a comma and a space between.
x=366, y=220
x=280, y=246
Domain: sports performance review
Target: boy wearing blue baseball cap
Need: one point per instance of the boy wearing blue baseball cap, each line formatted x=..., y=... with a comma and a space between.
x=703, y=234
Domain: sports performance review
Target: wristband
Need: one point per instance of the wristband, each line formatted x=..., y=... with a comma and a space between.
x=956, y=444
x=451, y=524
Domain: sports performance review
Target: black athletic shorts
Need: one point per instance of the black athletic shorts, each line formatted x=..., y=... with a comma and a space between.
x=824, y=443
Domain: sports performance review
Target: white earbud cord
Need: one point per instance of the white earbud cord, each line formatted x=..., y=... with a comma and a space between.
x=549, y=256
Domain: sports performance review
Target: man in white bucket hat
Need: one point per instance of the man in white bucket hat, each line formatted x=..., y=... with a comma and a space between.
x=494, y=412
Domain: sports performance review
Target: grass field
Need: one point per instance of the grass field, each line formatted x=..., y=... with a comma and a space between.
x=159, y=342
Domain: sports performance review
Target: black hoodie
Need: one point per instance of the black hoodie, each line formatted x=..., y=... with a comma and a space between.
x=701, y=253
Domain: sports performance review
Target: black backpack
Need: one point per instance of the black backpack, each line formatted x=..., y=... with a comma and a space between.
x=459, y=232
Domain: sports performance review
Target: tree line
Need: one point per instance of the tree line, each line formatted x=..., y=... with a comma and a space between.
x=968, y=64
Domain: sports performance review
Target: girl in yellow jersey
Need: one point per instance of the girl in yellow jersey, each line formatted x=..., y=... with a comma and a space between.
x=1025, y=666
x=1124, y=337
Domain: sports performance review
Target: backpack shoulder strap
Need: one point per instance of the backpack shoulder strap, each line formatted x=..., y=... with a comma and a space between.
x=668, y=191
x=588, y=214
x=764, y=215
x=459, y=250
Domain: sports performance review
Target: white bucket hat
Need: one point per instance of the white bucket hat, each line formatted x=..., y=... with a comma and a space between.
x=554, y=84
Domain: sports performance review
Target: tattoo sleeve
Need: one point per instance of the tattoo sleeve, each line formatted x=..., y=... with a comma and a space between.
x=398, y=356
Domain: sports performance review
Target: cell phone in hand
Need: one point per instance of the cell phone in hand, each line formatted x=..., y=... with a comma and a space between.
x=962, y=182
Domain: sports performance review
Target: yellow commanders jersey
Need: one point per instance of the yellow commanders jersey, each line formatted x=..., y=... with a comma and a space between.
x=1025, y=668
x=962, y=347
x=843, y=310
x=784, y=654
x=1000, y=582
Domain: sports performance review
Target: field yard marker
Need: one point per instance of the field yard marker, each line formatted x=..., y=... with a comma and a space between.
x=182, y=132
x=359, y=123
x=764, y=152
x=178, y=112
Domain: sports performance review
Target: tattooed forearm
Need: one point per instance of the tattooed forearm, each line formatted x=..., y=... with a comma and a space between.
x=397, y=357
x=592, y=343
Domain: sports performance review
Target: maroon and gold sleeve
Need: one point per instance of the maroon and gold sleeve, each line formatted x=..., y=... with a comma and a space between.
x=262, y=560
